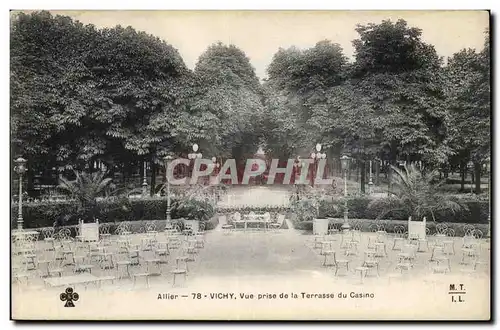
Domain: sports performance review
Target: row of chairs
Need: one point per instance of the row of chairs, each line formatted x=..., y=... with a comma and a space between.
x=55, y=256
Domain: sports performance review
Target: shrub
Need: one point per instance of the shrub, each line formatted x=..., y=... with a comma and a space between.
x=44, y=214
x=476, y=211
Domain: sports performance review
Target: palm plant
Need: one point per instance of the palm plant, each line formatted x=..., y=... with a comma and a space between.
x=85, y=189
x=415, y=194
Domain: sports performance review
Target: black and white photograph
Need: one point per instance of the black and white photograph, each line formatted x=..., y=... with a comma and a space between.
x=249, y=165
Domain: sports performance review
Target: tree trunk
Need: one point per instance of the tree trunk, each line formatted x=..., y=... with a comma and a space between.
x=477, y=175
x=463, y=174
x=358, y=168
x=153, y=178
x=377, y=170
x=363, y=175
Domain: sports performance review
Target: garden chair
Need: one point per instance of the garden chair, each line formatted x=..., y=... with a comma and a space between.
x=472, y=251
x=441, y=229
x=356, y=231
x=200, y=240
x=140, y=273
x=184, y=259
x=363, y=271
x=278, y=224
x=380, y=249
x=468, y=230
x=201, y=228
x=326, y=254
x=43, y=267
x=162, y=251
x=399, y=237
x=20, y=272
x=48, y=238
x=82, y=265
x=333, y=228
x=106, y=258
x=55, y=268
x=346, y=236
x=153, y=266
x=67, y=252
x=372, y=238
x=408, y=254
x=448, y=242
x=443, y=262
x=177, y=272
x=370, y=262
x=104, y=233
x=123, y=263
x=381, y=233
x=174, y=242
x=338, y=263
x=351, y=248
x=325, y=246
x=151, y=228
x=229, y=227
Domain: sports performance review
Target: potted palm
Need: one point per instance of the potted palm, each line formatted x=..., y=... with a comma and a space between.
x=416, y=195
x=85, y=189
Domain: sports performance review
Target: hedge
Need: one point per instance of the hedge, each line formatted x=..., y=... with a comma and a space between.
x=390, y=224
x=477, y=211
x=44, y=214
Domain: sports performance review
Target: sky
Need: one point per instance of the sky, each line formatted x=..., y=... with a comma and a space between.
x=261, y=33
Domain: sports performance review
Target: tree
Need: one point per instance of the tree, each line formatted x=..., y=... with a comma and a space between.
x=79, y=94
x=299, y=81
x=85, y=189
x=402, y=80
x=226, y=105
x=469, y=103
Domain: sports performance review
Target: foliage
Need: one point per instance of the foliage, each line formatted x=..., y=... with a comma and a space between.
x=85, y=189
x=193, y=209
x=416, y=194
x=79, y=93
x=469, y=95
x=256, y=209
x=44, y=214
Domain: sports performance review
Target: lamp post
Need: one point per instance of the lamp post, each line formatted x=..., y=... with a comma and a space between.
x=370, y=182
x=298, y=166
x=316, y=157
x=167, y=160
x=344, y=162
x=20, y=169
x=145, y=182
x=193, y=156
x=216, y=166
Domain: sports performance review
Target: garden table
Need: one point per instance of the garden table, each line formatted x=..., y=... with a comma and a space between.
x=255, y=218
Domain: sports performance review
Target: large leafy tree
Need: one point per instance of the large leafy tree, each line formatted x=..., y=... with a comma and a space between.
x=79, y=94
x=402, y=79
x=469, y=103
x=225, y=107
x=299, y=81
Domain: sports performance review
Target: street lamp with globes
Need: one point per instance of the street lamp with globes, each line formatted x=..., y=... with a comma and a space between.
x=316, y=157
x=216, y=167
x=194, y=155
x=167, y=160
x=20, y=169
x=345, y=162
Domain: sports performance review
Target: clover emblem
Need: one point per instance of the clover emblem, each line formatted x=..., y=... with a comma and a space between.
x=69, y=296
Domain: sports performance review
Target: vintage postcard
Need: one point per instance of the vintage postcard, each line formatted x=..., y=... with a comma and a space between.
x=250, y=165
